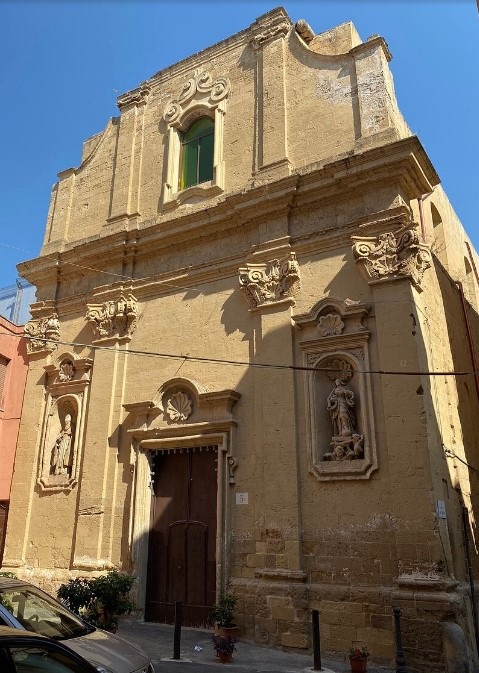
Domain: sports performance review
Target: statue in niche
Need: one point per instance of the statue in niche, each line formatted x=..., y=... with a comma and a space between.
x=346, y=442
x=340, y=405
x=61, y=448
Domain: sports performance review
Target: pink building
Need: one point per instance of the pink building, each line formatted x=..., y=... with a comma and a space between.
x=13, y=373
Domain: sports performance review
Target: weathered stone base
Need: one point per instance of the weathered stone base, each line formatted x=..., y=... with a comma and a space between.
x=276, y=613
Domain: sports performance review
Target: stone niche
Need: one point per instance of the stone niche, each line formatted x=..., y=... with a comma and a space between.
x=340, y=432
x=67, y=386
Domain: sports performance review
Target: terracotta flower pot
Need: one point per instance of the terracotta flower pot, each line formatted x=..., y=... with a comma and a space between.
x=225, y=657
x=358, y=664
x=228, y=631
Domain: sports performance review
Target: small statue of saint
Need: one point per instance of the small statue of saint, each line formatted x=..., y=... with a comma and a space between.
x=340, y=404
x=347, y=443
x=61, y=448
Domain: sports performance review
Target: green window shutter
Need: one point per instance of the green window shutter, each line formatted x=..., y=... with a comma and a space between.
x=205, y=163
x=197, y=153
x=189, y=163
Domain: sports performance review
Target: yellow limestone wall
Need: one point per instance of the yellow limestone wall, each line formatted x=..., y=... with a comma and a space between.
x=317, y=158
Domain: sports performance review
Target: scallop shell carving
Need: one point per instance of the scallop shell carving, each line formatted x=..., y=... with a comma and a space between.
x=338, y=369
x=330, y=324
x=179, y=407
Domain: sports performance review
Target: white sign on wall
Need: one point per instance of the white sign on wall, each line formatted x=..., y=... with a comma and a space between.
x=241, y=498
x=441, y=509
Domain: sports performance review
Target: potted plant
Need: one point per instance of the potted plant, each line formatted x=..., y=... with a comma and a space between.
x=224, y=648
x=222, y=615
x=358, y=659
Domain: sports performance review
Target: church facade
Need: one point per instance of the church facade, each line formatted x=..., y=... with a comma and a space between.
x=252, y=298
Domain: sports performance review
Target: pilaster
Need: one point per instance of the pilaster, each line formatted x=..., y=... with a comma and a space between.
x=125, y=202
x=93, y=545
x=272, y=124
x=270, y=286
x=394, y=264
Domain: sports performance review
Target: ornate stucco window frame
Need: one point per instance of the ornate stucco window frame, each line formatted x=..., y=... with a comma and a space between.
x=200, y=97
x=333, y=331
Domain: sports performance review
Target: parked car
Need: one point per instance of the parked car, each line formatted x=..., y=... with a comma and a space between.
x=26, y=652
x=24, y=606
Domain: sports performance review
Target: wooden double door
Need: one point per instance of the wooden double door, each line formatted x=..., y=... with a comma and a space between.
x=182, y=540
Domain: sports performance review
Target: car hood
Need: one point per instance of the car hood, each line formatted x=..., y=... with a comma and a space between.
x=105, y=649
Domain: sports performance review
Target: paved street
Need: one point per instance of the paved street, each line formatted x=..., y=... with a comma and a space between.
x=156, y=640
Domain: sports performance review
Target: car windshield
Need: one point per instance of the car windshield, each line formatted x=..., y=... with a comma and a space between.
x=37, y=612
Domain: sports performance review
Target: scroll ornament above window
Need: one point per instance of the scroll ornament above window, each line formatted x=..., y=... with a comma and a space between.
x=270, y=282
x=114, y=318
x=391, y=256
x=200, y=85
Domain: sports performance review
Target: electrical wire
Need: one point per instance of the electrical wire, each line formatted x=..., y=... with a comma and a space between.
x=235, y=363
x=449, y=453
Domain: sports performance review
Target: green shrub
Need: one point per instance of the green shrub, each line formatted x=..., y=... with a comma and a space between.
x=222, y=612
x=6, y=573
x=76, y=594
x=100, y=600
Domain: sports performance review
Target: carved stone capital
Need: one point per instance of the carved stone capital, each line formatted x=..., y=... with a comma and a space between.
x=138, y=96
x=114, y=318
x=266, y=283
x=202, y=86
x=391, y=256
x=280, y=30
x=42, y=334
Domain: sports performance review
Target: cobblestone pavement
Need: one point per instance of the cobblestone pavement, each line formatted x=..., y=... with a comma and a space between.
x=156, y=640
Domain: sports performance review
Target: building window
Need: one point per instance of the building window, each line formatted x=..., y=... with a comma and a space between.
x=197, y=153
x=195, y=165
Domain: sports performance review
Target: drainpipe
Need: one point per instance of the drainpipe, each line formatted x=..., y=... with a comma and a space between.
x=469, y=336
x=470, y=574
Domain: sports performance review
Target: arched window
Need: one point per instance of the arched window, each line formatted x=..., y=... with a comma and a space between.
x=197, y=153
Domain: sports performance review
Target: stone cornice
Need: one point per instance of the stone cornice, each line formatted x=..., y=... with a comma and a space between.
x=215, y=51
x=372, y=42
x=403, y=162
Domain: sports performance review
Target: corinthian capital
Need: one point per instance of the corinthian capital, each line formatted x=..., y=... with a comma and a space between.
x=270, y=282
x=114, y=318
x=391, y=256
x=42, y=334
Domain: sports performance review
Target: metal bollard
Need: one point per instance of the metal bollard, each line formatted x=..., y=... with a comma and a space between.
x=177, y=632
x=316, y=641
x=400, y=660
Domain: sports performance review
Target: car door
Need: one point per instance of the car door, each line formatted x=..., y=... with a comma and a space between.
x=41, y=657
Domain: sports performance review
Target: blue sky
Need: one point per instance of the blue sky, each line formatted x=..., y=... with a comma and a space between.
x=63, y=64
